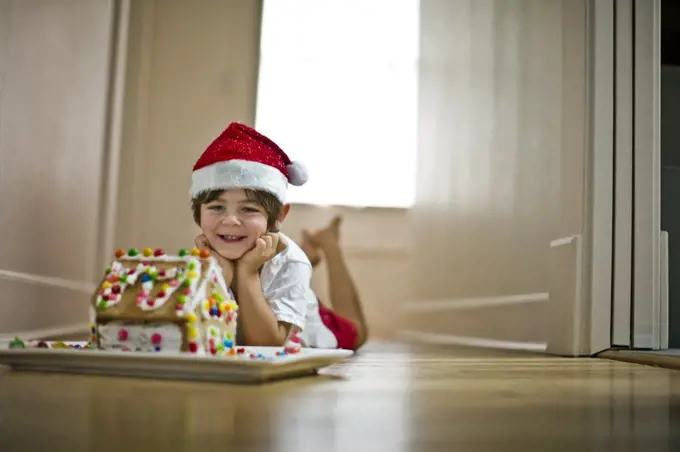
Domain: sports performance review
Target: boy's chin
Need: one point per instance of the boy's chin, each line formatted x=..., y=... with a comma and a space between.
x=231, y=254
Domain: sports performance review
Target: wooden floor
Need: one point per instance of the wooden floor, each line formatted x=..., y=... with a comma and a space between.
x=391, y=398
x=669, y=359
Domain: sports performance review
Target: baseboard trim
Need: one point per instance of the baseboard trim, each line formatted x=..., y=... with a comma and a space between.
x=475, y=303
x=449, y=339
x=563, y=241
x=34, y=335
x=645, y=359
x=664, y=308
x=377, y=252
x=77, y=286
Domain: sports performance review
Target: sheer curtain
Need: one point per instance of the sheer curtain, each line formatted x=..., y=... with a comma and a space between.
x=338, y=90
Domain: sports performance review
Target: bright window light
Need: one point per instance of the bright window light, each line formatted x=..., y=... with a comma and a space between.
x=337, y=90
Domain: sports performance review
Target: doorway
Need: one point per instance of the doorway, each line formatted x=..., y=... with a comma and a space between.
x=670, y=158
x=639, y=264
x=646, y=258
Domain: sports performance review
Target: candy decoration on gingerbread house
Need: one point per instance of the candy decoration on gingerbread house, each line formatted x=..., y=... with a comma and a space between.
x=151, y=301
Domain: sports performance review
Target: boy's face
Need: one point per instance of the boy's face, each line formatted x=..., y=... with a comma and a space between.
x=233, y=223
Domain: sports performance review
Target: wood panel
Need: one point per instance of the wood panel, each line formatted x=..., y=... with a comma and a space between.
x=502, y=156
x=54, y=66
x=517, y=323
x=192, y=69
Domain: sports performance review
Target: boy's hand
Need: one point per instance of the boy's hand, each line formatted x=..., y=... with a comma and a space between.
x=265, y=248
x=202, y=243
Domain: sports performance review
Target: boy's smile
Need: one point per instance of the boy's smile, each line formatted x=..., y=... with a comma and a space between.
x=232, y=238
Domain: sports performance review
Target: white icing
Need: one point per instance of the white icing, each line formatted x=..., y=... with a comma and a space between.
x=165, y=337
x=201, y=332
x=162, y=258
x=173, y=277
x=217, y=336
x=112, y=292
x=138, y=337
x=212, y=332
x=107, y=297
x=198, y=294
x=196, y=324
x=223, y=315
x=214, y=336
x=144, y=299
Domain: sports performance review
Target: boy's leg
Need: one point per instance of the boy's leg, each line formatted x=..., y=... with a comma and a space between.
x=342, y=291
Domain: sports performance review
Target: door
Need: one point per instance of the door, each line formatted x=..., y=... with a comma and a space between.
x=638, y=305
x=670, y=160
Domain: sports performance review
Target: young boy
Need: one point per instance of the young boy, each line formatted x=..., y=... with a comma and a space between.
x=238, y=200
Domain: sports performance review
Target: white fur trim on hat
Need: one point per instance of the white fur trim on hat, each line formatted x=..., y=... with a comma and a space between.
x=239, y=174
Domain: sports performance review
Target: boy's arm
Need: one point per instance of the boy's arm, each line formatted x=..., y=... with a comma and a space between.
x=267, y=321
x=256, y=317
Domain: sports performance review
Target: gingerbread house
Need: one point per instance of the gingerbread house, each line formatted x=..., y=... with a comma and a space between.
x=154, y=302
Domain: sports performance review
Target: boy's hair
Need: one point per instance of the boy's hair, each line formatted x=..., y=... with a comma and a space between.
x=270, y=203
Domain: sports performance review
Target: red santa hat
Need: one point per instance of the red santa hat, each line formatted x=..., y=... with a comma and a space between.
x=241, y=157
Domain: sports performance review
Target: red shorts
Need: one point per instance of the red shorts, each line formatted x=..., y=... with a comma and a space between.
x=344, y=330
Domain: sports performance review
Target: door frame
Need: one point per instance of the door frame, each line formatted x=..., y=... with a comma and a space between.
x=600, y=178
x=639, y=302
x=622, y=296
x=114, y=130
x=647, y=306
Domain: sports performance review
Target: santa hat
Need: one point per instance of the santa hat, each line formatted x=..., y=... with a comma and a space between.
x=241, y=157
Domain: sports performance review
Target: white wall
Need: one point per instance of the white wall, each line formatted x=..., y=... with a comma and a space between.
x=192, y=68
x=502, y=169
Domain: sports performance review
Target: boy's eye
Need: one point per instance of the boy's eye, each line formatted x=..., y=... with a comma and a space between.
x=216, y=207
x=251, y=210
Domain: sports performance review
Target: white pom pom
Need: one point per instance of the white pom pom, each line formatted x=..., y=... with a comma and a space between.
x=297, y=173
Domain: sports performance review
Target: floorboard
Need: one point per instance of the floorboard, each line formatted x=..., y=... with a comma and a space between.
x=391, y=398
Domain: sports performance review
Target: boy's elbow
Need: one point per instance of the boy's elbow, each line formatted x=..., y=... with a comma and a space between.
x=267, y=340
x=269, y=337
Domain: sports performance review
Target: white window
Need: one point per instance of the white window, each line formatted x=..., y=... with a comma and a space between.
x=338, y=87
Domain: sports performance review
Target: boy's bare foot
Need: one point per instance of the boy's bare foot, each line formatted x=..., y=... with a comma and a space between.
x=328, y=236
x=313, y=243
x=310, y=249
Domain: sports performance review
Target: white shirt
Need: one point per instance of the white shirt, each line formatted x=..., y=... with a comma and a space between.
x=286, y=284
